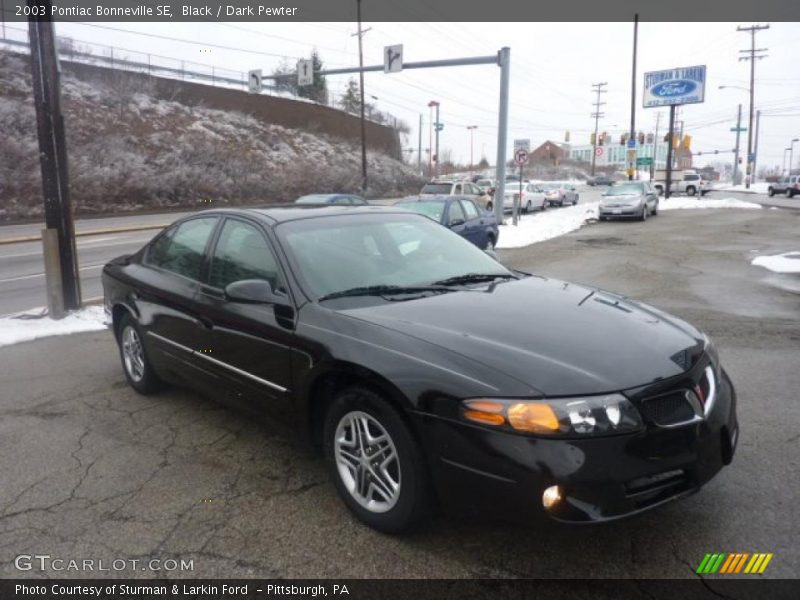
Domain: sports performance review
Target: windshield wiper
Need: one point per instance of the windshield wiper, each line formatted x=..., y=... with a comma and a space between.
x=474, y=278
x=384, y=290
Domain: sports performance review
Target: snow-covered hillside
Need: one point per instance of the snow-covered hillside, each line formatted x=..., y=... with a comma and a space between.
x=130, y=150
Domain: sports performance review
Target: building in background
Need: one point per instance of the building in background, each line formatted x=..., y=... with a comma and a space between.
x=550, y=152
x=615, y=154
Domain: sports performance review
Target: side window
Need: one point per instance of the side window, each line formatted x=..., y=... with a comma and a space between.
x=469, y=209
x=182, y=252
x=343, y=200
x=241, y=253
x=454, y=211
x=457, y=189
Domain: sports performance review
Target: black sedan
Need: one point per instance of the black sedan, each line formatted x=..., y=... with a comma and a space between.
x=460, y=214
x=422, y=367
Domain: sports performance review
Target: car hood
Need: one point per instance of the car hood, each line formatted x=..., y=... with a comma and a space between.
x=560, y=338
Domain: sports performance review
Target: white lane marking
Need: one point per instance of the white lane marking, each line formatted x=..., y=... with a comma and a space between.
x=21, y=277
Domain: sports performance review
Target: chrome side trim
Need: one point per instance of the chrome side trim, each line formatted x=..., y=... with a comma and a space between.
x=219, y=363
x=170, y=342
x=712, y=390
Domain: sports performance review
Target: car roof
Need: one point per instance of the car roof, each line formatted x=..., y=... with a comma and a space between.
x=432, y=198
x=280, y=213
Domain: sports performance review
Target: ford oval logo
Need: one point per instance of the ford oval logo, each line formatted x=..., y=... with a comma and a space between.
x=675, y=87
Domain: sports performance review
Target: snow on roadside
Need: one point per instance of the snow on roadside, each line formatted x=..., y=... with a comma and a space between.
x=31, y=324
x=681, y=202
x=537, y=227
x=788, y=262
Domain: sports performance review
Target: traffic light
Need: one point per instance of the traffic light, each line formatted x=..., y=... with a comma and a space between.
x=666, y=138
x=740, y=160
x=641, y=138
x=603, y=137
x=650, y=138
x=566, y=136
x=622, y=139
x=593, y=139
x=687, y=142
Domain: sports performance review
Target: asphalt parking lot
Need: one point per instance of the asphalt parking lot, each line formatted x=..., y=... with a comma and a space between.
x=90, y=469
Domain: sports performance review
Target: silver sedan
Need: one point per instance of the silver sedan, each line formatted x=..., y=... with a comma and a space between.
x=632, y=199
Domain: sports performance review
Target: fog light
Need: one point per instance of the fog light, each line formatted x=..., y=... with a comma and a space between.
x=551, y=496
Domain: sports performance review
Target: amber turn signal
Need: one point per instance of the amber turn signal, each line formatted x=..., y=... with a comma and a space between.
x=487, y=412
x=535, y=417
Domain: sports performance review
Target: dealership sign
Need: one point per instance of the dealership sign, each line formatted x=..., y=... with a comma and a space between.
x=685, y=85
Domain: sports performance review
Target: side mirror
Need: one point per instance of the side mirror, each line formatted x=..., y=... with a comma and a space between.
x=456, y=222
x=253, y=291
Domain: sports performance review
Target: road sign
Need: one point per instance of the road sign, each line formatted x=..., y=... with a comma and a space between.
x=632, y=143
x=598, y=151
x=438, y=126
x=393, y=58
x=631, y=155
x=305, y=72
x=684, y=85
x=644, y=161
x=751, y=157
x=522, y=145
x=254, y=81
x=521, y=156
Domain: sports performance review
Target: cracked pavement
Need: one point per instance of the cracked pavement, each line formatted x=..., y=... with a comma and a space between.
x=90, y=469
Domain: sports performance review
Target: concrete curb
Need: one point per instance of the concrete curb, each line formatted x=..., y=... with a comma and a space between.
x=90, y=232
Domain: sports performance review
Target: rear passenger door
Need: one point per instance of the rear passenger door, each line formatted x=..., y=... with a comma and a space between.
x=250, y=344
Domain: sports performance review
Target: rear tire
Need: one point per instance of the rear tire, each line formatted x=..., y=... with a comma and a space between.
x=528, y=207
x=489, y=206
x=789, y=193
x=377, y=466
x=655, y=209
x=135, y=364
x=691, y=190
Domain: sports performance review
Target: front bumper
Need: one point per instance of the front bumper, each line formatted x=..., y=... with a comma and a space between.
x=476, y=469
x=620, y=211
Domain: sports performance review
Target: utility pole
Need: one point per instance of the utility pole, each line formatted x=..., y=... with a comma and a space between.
x=597, y=88
x=472, y=129
x=632, y=151
x=431, y=104
x=669, y=150
x=59, y=235
x=419, y=147
x=437, y=127
x=360, y=35
x=738, y=129
x=752, y=58
x=655, y=148
x=755, y=143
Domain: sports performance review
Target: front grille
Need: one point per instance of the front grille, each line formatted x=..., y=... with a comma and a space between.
x=668, y=409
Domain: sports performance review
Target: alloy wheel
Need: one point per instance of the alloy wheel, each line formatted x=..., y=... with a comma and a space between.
x=367, y=461
x=133, y=353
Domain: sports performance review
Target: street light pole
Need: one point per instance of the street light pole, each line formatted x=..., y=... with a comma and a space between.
x=632, y=164
x=791, y=155
x=472, y=129
x=752, y=58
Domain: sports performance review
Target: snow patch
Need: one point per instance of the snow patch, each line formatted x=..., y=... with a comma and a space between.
x=34, y=324
x=546, y=225
x=760, y=187
x=680, y=203
x=788, y=262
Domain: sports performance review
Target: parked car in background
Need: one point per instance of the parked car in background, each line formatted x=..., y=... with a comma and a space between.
x=789, y=186
x=682, y=182
x=425, y=371
x=560, y=193
x=486, y=185
x=631, y=199
x=600, y=180
x=457, y=188
x=347, y=199
x=533, y=197
x=459, y=213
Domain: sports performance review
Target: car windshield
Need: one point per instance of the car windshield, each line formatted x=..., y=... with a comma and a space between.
x=549, y=186
x=314, y=199
x=429, y=208
x=625, y=189
x=337, y=253
x=436, y=188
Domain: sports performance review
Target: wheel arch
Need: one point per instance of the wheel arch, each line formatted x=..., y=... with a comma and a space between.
x=118, y=311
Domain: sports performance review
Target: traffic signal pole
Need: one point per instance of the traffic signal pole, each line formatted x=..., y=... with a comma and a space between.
x=53, y=161
x=668, y=183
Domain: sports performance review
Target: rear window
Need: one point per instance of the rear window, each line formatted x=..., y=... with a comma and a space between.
x=691, y=178
x=432, y=208
x=436, y=188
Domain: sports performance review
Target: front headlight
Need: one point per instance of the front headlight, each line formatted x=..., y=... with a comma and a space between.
x=581, y=416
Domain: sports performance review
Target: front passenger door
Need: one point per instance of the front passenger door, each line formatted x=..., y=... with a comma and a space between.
x=248, y=343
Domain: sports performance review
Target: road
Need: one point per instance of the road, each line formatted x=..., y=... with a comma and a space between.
x=22, y=268
x=90, y=469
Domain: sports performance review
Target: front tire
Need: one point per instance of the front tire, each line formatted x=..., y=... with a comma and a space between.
x=528, y=207
x=135, y=364
x=770, y=191
x=644, y=212
x=377, y=466
x=691, y=190
x=789, y=193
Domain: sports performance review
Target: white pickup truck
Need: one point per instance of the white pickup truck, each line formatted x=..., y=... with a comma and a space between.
x=683, y=182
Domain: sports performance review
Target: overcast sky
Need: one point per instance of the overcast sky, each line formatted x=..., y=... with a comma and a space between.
x=553, y=67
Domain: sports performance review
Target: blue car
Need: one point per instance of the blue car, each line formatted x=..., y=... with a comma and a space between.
x=459, y=213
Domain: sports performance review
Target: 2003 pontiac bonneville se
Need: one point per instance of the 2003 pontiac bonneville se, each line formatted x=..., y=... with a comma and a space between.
x=423, y=367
